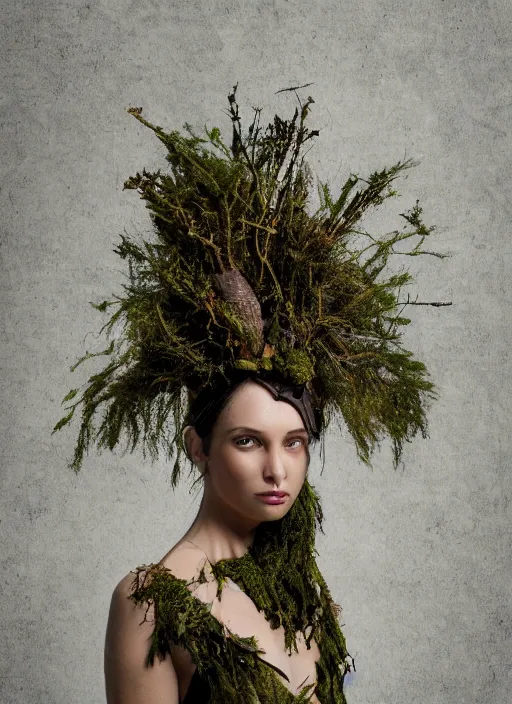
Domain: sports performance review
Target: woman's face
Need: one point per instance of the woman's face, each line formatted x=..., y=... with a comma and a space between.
x=258, y=445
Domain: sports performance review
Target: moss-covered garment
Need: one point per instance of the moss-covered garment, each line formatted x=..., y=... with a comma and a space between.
x=280, y=575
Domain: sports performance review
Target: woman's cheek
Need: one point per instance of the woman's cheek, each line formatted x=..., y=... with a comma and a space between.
x=234, y=466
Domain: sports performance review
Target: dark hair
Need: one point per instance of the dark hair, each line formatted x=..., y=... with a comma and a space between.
x=205, y=407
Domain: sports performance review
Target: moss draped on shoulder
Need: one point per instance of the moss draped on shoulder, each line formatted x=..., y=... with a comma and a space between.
x=279, y=573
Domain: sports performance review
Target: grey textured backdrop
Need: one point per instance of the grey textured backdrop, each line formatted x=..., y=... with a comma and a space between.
x=419, y=558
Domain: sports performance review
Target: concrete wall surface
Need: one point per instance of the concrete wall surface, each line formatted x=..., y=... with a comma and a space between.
x=420, y=558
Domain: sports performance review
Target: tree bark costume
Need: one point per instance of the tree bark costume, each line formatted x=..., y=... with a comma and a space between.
x=241, y=280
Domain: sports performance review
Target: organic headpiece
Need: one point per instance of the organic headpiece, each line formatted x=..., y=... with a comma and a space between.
x=242, y=277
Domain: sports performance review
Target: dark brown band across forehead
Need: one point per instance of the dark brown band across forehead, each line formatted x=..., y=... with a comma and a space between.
x=297, y=396
x=205, y=404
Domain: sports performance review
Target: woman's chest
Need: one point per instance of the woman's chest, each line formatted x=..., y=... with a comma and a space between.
x=238, y=612
x=298, y=669
x=239, y=615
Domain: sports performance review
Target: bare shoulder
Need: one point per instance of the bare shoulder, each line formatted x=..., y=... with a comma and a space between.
x=128, y=638
x=183, y=561
x=187, y=562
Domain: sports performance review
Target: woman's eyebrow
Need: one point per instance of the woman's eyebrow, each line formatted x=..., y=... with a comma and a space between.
x=245, y=429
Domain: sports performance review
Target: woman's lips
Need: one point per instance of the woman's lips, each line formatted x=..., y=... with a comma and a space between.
x=272, y=498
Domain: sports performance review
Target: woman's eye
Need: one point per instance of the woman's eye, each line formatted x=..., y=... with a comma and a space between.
x=299, y=440
x=240, y=440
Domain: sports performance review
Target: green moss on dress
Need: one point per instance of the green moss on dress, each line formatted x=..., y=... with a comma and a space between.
x=279, y=573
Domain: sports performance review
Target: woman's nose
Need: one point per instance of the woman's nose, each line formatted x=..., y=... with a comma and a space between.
x=274, y=466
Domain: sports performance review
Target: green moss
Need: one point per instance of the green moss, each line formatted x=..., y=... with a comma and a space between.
x=297, y=365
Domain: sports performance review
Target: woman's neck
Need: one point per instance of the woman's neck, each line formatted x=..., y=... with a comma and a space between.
x=219, y=533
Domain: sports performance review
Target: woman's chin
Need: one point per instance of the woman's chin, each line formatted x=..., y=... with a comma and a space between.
x=274, y=512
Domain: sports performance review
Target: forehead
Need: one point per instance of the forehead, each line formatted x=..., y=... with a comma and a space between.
x=254, y=406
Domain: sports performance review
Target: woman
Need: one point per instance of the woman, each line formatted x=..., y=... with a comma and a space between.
x=257, y=446
x=274, y=321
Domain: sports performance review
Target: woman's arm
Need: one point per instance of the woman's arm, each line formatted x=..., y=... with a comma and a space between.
x=127, y=679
